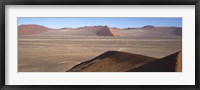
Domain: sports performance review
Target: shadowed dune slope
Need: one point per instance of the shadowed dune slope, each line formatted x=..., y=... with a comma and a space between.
x=31, y=29
x=169, y=63
x=104, y=31
x=107, y=31
x=112, y=61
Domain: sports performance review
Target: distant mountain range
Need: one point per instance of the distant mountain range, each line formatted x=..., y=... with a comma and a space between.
x=146, y=31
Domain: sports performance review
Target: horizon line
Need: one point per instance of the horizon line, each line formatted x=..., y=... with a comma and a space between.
x=99, y=25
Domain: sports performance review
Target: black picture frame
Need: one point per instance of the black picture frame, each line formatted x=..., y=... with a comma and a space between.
x=98, y=2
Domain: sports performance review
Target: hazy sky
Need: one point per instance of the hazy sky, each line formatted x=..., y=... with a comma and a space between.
x=113, y=22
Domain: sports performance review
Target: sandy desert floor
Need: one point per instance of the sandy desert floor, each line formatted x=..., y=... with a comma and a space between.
x=60, y=53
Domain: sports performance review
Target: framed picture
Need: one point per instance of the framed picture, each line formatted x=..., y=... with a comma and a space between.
x=129, y=44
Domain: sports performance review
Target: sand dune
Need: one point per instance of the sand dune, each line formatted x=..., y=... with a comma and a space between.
x=116, y=61
x=107, y=31
x=152, y=31
x=112, y=61
x=146, y=31
x=169, y=63
x=83, y=31
x=32, y=29
x=114, y=31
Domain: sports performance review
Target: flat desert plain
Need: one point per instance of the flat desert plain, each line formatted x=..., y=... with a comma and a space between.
x=59, y=53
